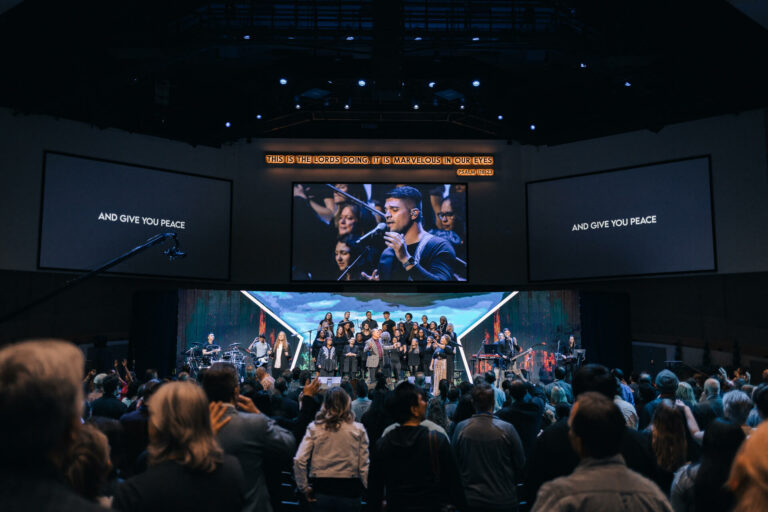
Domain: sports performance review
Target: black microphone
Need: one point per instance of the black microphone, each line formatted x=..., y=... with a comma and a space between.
x=379, y=228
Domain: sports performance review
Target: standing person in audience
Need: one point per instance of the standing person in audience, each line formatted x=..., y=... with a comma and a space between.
x=349, y=357
x=337, y=446
x=626, y=392
x=710, y=406
x=361, y=403
x=187, y=468
x=266, y=380
x=760, y=411
x=685, y=395
x=669, y=441
x=601, y=481
x=250, y=436
x=280, y=354
x=553, y=455
x=490, y=455
x=700, y=487
x=109, y=406
x=375, y=354
x=89, y=464
x=749, y=474
x=524, y=413
x=412, y=468
x=41, y=399
x=560, y=382
x=326, y=359
x=736, y=407
x=666, y=385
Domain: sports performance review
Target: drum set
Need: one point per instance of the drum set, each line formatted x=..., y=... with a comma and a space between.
x=235, y=355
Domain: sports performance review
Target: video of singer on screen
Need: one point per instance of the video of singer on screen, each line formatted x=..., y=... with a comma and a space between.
x=379, y=232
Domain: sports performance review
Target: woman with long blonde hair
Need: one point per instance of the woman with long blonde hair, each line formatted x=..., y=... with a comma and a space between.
x=337, y=445
x=280, y=353
x=187, y=468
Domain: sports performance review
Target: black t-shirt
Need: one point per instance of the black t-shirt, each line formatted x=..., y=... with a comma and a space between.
x=389, y=326
x=372, y=324
x=435, y=264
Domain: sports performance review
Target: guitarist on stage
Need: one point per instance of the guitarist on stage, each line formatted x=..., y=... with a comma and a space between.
x=259, y=349
x=508, y=349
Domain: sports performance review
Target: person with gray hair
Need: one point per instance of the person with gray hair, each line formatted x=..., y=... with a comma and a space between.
x=736, y=407
x=41, y=397
x=375, y=352
x=710, y=404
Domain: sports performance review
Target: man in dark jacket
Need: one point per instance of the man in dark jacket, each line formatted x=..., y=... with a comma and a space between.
x=553, y=455
x=525, y=414
x=109, y=406
x=666, y=385
x=711, y=407
x=490, y=455
x=415, y=470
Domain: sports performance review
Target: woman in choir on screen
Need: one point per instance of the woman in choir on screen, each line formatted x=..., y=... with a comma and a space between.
x=281, y=355
x=414, y=357
x=326, y=359
x=349, y=359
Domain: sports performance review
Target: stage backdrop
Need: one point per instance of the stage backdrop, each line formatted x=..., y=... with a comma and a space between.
x=537, y=318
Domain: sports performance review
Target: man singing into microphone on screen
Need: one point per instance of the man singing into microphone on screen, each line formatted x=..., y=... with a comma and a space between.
x=412, y=254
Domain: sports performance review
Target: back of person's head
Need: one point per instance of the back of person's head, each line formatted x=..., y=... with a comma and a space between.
x=749, y=473
x=436, y=412
x=220, y=382
x=518, y=390
x=559, y=373
x=489, y=377
x=303, y=377
x=149, y=374
x=616, y=372
x=760, y=398
x=296, y=374
x=594, y=377
x=281, y=385
x=598, y=424
x=644, y=377
x=400, y=403
x=261, y=372
x=180, y=428
x=40, y=399
x=685, y=392
x=562, y=410
x=736, y=406
x=453, y=394
x=110, y=384
x=558, y=395
x=443, y=386
x=287, y=375
x=361, y=389
x=722, y=440
x=483, y=397
x=667, y=382
x=711, y=388
x=88, y=463
x=335, y=410
x=465, y=408
x=98, y=382
x=465, y=387
x=668, y=437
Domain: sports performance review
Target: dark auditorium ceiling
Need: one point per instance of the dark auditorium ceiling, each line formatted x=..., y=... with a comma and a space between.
x=183, y=69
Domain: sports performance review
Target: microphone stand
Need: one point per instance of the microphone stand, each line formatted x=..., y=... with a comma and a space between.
x=346, y=271
x=356, y=200
x=173, y=253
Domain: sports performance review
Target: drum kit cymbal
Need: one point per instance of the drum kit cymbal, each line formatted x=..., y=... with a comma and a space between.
x=235, y=354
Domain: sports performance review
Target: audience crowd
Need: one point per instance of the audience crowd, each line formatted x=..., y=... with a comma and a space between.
x=600, y=442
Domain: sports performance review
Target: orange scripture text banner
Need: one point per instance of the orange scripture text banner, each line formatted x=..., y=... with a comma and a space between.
x=380, y=160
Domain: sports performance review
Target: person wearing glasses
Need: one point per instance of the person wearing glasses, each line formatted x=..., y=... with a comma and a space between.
x=451, y=226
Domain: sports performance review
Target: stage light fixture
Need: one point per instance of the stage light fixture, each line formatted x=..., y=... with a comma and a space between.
x=298, y=106
x=582, y=65
x=532, y=127
x=415, y=106
x=246, y=37
x=475, y=83
x=431, y=85
x=361, y=83
x=283, y=81
x=350, y=38
x=475, y=38
x=500, y=117
x=627, y=84
x=227, y=124
x=417, y=38
x=258, y=116
x=346, y=107
x=461, y=107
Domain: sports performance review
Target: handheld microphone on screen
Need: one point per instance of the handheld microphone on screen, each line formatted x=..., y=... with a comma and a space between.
x=380, y=228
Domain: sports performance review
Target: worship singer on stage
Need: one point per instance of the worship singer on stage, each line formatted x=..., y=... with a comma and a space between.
x=412, y=254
